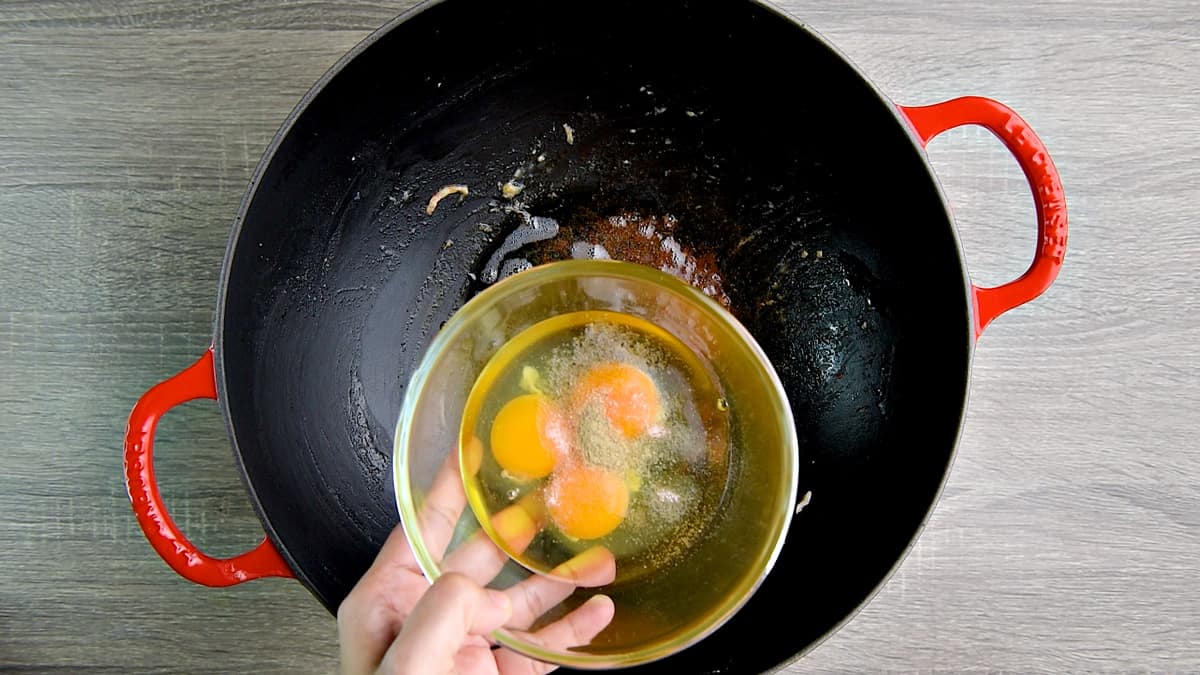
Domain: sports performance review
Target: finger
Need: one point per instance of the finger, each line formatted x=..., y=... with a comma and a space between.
x=576, y=629
x=594, y=567
x=536, y=595
x=395, y=553
x=475, y=660
x=451, y=611
x=479, y=558
x=364, y=633
x=442, y=507
x=438, y=515
x=371, y=616
x=579, y=627
x=516, y=525
x=473, y=455
x=509, y=662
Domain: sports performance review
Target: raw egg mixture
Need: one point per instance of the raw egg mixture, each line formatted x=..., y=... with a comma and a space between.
x=604, y=429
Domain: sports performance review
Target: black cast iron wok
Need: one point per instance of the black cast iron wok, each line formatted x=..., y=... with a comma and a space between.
x=785, y=182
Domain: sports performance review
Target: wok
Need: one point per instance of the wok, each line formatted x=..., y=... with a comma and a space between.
x=722, y=141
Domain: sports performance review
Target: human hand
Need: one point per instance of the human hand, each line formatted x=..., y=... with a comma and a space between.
x=395, y=622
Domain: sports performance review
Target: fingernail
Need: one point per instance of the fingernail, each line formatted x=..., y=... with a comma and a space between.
x=472, y=455
x=594, y=567
x=514, y=527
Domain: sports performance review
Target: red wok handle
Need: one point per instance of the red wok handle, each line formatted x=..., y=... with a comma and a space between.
x=1027, y=148
x=196, y=381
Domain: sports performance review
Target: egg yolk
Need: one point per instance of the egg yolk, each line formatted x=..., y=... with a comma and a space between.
x=628, y=396
x=527, y=437
x=587, y=502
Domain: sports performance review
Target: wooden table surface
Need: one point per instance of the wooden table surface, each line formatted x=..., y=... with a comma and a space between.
x=1068, y=537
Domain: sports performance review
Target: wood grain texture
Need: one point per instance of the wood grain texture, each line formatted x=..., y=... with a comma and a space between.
x=1068, y=537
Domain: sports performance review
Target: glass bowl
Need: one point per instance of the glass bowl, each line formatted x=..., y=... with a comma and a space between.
x=678, y=585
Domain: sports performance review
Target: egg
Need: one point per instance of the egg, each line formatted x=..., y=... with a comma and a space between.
x=591, y=430
x=626, y=393
x=527, y=437
x=587, y=502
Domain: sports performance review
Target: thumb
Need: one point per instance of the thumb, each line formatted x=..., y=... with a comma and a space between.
x=452, y=610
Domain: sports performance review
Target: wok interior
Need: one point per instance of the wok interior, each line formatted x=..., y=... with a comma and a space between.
x=773, y=159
